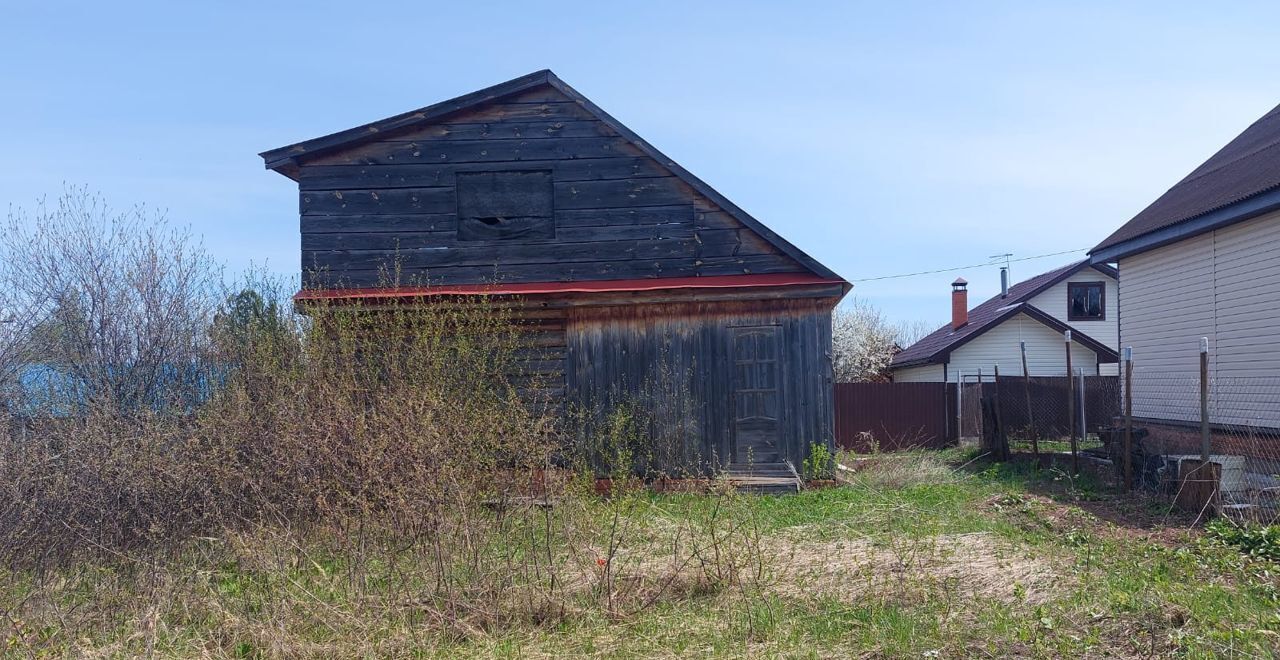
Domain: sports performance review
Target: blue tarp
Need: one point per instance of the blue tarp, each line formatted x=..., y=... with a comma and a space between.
x=55, y=390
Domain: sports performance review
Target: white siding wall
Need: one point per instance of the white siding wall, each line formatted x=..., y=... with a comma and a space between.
x=1246, y=290
x=1046, y=355
x=930, y=373
x=1224, y=285
x=1053, y=301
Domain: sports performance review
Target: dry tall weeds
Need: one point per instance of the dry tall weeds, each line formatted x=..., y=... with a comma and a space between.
x=164, y=434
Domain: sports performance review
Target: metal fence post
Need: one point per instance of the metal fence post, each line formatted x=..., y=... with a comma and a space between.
x=959, y=406
x=1128, y=418
x=1071, y=408
x=1204, y=401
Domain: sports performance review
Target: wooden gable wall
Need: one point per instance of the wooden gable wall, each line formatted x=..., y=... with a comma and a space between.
x=392, y=206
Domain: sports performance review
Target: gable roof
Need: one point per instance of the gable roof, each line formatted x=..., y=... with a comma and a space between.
x=937, y=346
x=1245, y=169
x=286, y=159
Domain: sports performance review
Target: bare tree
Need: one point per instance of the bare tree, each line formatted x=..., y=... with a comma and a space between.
x=910, y=332
x=864, y=340
x=116, y=302
x=16, y=323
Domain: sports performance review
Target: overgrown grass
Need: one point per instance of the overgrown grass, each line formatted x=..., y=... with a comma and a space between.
x=969, y=559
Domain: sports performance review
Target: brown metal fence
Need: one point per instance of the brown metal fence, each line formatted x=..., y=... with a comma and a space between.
x=1038, y=413
x=888, y=416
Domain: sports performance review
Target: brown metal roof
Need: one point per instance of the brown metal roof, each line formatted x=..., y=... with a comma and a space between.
x=1247, y=166
x=936, y=346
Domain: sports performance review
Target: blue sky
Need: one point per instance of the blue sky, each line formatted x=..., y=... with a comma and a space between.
x=882, y=138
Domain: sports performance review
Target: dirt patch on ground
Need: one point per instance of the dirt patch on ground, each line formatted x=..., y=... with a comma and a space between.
x=1123, y=518
x=963, y=566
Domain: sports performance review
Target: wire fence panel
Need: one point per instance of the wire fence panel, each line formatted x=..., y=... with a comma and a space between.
x=971, y=394
x=1044, y=410
x=1241, y=438
x=1041, y=413
x=1179, y=419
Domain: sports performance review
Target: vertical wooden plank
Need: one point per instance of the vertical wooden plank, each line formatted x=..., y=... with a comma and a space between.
x=1002, y=440
x=828, y=378
x=1071, y=408
x=1026, y=387
x=793, y=394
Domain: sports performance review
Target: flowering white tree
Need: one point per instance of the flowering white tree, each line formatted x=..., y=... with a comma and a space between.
x=864, y=340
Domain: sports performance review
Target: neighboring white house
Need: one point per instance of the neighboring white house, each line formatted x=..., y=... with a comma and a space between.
x=1079, y=297
x=1203, y=260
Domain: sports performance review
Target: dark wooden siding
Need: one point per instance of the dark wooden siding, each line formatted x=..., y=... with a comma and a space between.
x=540, y=364
x=386, y=212
x=675, y=361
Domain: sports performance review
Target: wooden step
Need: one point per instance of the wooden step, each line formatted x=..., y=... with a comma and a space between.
x=765, y=478
x=760, y=468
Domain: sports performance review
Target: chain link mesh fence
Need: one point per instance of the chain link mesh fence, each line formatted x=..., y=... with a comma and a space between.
x=1168, y=441
x=1040, y=414
x=1178, y=419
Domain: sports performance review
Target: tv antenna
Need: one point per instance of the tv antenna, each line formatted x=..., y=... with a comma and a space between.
x=997, y=258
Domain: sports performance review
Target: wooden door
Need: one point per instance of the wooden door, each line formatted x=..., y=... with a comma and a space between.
x=757, y=403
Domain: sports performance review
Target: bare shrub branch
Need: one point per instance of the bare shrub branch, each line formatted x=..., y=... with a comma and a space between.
x=180, y=433
x=115, y=303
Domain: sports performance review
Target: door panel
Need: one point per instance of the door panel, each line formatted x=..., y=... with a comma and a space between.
x=757, y=405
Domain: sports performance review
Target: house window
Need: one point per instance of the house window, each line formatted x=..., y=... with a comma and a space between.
x=501, y=206
x=1086, y=301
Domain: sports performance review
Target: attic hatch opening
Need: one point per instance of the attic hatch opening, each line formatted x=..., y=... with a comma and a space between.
x=506, y=205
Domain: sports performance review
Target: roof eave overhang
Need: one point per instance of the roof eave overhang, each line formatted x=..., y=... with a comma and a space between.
x=1246, y=209
x=1049, y=284
x=1106, y=269
x=1105, y=353
x=919, y=362
x=284, y=159
x=943, y=355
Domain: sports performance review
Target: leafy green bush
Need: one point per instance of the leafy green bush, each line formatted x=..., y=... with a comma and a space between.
x=821, y=463
x=1253, y=540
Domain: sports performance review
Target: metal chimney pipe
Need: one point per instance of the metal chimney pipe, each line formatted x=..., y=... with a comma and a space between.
x=1004, y=281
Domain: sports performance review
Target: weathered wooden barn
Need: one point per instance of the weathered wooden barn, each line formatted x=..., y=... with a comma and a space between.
x=649, y=283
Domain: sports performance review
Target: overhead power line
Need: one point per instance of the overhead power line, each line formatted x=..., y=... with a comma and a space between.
x=948, y=270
